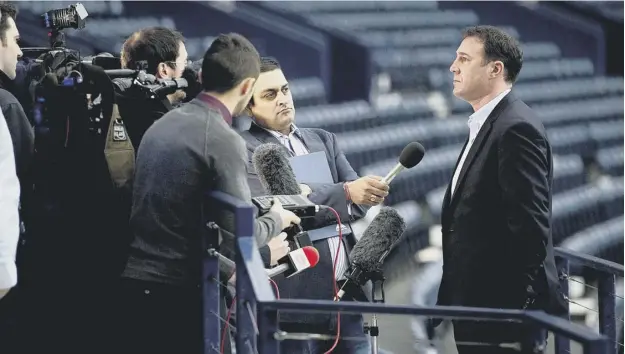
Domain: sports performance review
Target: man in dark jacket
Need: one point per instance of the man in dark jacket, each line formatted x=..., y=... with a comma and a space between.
x=190, y=151
x=496, y=216
x=273, y=113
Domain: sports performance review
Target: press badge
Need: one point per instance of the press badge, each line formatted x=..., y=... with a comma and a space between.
x=119, y=132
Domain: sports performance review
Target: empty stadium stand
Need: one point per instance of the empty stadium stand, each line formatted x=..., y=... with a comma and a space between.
x=412, y=44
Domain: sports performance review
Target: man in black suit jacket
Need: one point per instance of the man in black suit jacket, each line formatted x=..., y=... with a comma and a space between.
x=273, y=113
x=496, y=217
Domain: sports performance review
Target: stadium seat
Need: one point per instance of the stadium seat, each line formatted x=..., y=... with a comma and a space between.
x=572, y=139
x=434, y=171
x=599, y=240
x=308, y=91
x=310, y=7
x=437, y=37
x=434, y=200
x=606, y=134
x=610, y=160
x=444, y=56
x=582, y=207
x=416, y=227
x=568, y=173
x=396, y=20
x=372, y=145
x=335, y=117
x=569, y=90
x=556, y=69
x=580, y=111
x=359, y=115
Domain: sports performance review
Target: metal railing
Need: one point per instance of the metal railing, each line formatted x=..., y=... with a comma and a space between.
x=606, y=272
x=257, y=307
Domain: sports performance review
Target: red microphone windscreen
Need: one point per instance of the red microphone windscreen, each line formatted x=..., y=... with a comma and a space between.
x=312, y=255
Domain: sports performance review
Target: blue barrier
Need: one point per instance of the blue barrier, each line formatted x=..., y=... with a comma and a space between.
x=257, y=307
x=607, y=272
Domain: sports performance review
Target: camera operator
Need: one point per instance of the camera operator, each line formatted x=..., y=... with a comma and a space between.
x=188, y=152
x=166, y=55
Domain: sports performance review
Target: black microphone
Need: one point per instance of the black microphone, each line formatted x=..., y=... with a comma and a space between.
x=275, y=171
x=278, y=179
x=410, y=156
x=370, y=251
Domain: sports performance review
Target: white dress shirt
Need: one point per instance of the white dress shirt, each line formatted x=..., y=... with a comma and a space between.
x=296, y=146
x=476, y=121
x=9, y=204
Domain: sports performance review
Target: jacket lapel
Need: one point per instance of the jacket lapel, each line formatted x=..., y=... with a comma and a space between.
x=264, y=137
x=447, y=198
x=476, y=147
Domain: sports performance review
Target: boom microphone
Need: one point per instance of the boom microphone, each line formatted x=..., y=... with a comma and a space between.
x=278, y=179
x=274, y=170
x=295, y=262
x=370, y=251
x=410, y=156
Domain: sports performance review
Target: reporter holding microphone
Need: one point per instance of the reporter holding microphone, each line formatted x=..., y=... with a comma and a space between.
x=273, y=114
x=189, y=152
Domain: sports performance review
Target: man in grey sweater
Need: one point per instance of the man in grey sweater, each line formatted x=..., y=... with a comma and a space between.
x=190, y=151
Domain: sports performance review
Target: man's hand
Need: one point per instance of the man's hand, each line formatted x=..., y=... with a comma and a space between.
x=278, y=248
x=287, y=217
x=368, y=190
x=306, y=191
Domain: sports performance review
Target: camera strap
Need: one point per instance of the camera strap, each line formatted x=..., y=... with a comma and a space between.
x=119, y=152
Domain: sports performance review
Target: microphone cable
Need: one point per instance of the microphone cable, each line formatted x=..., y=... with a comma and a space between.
x=227, y=324
x=335, y=286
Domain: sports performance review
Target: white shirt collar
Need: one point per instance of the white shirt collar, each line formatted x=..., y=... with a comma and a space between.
x=294, y=131
x=477, y=119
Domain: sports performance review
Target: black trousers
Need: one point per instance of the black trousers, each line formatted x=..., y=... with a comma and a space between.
x=495, y=337
x=154, y=318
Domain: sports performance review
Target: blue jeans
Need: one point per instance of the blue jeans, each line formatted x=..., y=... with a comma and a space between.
x=351, y=327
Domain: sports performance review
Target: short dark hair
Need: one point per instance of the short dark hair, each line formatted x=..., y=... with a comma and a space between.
x=230, y=59
x=7, y=10
x=154, y=45
x=267, y=64
x=498, y=45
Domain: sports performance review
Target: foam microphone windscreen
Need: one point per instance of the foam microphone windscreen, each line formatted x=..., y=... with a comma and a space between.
x=274, y=170
x=386, y=228
x=411, y=155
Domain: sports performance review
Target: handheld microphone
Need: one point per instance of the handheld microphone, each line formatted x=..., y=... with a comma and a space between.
x=295, y=262
x=410, y=156
x=370, y=251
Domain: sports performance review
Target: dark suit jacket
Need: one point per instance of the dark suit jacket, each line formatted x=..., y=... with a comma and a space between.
x=315, y=283
x=497, y=244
